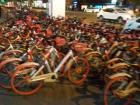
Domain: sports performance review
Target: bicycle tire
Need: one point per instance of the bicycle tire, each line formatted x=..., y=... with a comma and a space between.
x=17, y=79
x=6, y=72
x=110, y=86
x=81, y=70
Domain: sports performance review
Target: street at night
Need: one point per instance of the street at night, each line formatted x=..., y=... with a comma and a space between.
x=69, y=52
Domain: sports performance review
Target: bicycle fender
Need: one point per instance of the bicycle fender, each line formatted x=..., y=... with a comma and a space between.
x=26, y=65
x=94, y=53
x=13, y=51
x=118, y=66
x=120, y=75
x=134, y=49
x=114, y=60
x=8, y=61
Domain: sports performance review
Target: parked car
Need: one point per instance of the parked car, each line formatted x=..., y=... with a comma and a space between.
x=129, y=11
x=114, y=14
x=93, y=9
x=133, y=24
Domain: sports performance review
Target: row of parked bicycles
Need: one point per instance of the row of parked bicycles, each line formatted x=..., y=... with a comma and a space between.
x=35, y=50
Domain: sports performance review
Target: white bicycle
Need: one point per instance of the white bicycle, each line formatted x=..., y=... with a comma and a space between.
x=30, y=76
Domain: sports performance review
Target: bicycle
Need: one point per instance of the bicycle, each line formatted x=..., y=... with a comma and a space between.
x=31, y=74
x=123, y=87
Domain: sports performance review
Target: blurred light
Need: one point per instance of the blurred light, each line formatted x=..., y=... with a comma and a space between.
x=114, y=1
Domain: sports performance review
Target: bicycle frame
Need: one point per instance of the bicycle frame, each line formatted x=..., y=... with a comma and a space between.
x=52, y=75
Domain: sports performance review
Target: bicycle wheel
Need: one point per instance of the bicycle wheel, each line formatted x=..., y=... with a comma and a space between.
x=111, y=96
x=6, y=69
x=78, y=69
x=21, y=80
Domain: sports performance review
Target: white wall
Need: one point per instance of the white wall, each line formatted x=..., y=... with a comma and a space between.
x=57, y=8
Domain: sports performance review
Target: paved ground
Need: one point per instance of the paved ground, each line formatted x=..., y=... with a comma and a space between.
x=55, y=94
x=60, y=94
